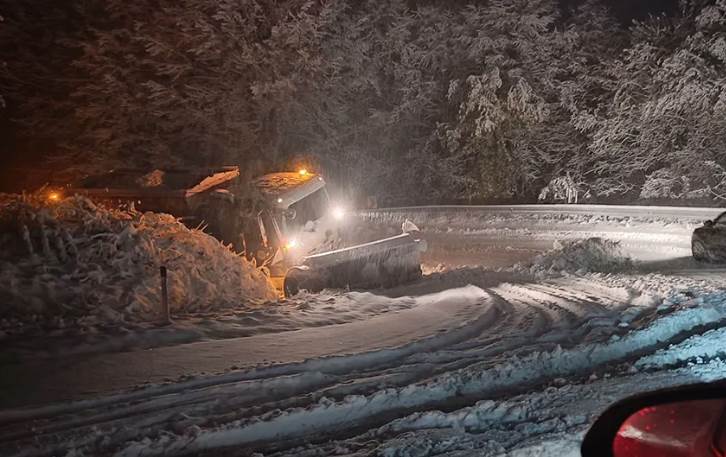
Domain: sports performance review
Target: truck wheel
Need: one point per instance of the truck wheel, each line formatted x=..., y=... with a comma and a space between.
x=303, y=278
x=415, y=274
x=291, y=285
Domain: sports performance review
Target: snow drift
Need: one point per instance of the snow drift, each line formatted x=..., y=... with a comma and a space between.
x=592, y=255
x=75, y=263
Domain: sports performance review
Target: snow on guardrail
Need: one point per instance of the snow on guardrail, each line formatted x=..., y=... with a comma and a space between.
x=610, y=210
x=470, y=216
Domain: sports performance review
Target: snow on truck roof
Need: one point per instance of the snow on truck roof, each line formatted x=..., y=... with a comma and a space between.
x=287, y=188
x=282, y=189
x=168, y=182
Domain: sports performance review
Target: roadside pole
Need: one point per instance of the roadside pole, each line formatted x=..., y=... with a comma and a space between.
x=165, y=313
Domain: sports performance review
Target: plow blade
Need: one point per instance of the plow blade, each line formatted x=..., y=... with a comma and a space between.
x=381, y=263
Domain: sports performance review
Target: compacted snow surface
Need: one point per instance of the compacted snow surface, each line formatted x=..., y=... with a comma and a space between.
x=525, y=327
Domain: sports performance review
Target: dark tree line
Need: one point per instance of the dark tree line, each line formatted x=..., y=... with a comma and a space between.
x=414, y=102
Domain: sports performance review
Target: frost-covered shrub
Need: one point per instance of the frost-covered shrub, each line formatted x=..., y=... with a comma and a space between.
x=582, y=256
x=663, y=184
x=74, y=262
x=562, y=188
x=707, y=180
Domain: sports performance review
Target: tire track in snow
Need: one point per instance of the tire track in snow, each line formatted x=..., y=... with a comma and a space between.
x=512, y=324
x=543, y=422
x=334, y=365
x=560, y=313
x=513, y=309
x=519, y=318
x=474, y=382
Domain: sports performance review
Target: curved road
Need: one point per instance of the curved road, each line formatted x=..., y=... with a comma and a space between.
x=462, y=316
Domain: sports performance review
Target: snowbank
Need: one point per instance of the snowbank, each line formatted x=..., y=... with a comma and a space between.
x=698, y=348
x=592, y=255
x=73, y=263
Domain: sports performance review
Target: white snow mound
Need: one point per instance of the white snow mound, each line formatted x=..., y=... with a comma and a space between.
x=591, y=255
x=75, y=263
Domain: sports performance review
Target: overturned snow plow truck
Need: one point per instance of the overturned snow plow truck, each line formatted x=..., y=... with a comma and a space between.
x=285, y=221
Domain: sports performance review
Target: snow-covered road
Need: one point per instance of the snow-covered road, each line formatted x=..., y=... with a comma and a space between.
x=83, y=376
x=478, y=362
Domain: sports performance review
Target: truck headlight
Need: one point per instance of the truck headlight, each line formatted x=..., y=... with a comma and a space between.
x=338, y=213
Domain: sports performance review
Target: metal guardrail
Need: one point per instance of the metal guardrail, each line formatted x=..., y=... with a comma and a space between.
x=669, y=212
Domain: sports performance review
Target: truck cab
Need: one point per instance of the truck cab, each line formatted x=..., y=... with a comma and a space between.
x=297, y=206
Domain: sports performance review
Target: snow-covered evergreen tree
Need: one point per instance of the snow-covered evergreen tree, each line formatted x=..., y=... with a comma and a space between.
x=412, y=101
x=666, y=116
x=194, y=81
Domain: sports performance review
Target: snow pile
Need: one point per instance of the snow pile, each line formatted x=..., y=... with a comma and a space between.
x=582, y=256
x=698, y=348
x=74, y=263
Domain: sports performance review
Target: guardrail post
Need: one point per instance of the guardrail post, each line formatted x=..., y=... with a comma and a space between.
x=165, y=313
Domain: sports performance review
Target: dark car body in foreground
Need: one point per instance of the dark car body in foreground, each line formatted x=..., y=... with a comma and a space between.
x=708, y=242
x=687, y=421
